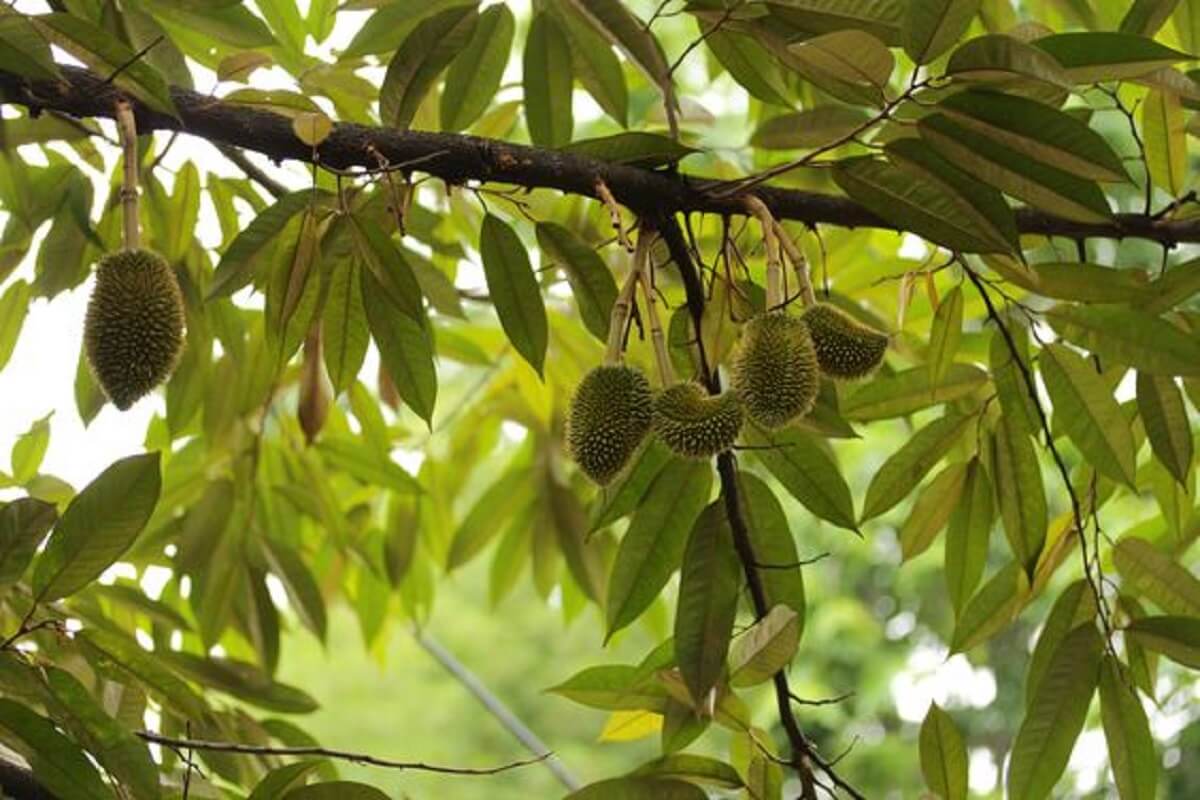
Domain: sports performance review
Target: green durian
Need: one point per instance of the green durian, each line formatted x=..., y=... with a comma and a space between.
x=693, y=424
x=133, y=330
x=846, y=348
x=775, y=370
x=608, y=418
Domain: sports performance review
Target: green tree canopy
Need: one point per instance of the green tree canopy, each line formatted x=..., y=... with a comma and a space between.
x=795, y=341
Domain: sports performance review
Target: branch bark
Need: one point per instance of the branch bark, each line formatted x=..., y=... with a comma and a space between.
x=459, y=158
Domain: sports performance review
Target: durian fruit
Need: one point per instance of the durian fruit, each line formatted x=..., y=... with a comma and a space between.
x=608, y=418
x=846, y=348
x=775, y=369
x=133, y=330
x=693, y=424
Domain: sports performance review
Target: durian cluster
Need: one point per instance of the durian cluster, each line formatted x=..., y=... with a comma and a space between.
x=776, y=373
x=133, y=329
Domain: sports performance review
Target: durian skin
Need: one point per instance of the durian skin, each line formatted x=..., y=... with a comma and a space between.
x=774, y=370
x=133, y=330
x=608, y=419
x=846, y=349
x=695, y=425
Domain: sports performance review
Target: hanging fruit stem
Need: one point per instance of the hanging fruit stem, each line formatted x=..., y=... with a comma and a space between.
x=127, y=129
x=771, y=244
x=619, y=318
x=641, y=266
x=799, y=264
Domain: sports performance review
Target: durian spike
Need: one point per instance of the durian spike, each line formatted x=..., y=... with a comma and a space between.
x=127, y=128
x=619, y=318
x=771, y=244
x=641, y=265
x=799, y=264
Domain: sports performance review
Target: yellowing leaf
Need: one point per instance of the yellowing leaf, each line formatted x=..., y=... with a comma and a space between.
x=628, y=726
x=1165, y=140
x=312, y=127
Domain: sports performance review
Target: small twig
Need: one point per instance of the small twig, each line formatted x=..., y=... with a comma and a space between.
x=828, y=701
x=614, y=213
x=804, y=562
x=324, y=752
x=127, y=128
x=136, y=57
x=716, y=26
x=239, y=160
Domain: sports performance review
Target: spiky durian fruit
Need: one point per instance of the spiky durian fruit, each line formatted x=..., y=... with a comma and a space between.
x=133, y=331
x=846, y=348
x=609, y=417
x=775, y=369
x=693, y=424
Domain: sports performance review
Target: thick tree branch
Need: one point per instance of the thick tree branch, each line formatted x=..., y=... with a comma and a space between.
x=457, y=158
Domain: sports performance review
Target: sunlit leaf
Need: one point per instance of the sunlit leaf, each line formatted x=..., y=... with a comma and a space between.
x=475, y=73
x=709, y=582
x=1131, y=752
x=514, y=290
x=547, y=82
x=1151, y=573
x=419, y=60
x=905, y=468
x=943, y=755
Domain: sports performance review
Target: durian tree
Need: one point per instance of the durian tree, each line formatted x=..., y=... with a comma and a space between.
x=669, y=310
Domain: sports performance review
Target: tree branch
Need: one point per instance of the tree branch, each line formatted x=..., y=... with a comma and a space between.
x=458, y=158
x=323, y=752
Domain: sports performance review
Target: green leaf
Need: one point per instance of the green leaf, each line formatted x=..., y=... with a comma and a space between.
x=336, y=790
x=1165, y=141
x=996, y=57
x=623, y=497
x=1056, y=716
x=23, y=49
x=1075, y=281
x=404, y=349
x=367, y=463
x=474, y=75
x=986, y=208
x=238, y=66
x=595, y=65
x=812, y=127
x=388, y=27
x=943, y=755
x=482, y=523
x=1097, y=56
x=1011, y=387
x=98, y=526
x=344, y=326
x=1145, y=17
x=967, y=536
x=29, y=449
x=546, y=77
x=122, y=754
x=613, y=688
x=709, y=583
x=931, y=27
x=774, y=548
x=1084, y=406
x=991, y=609
x=905, y=468
x=1161, y=407
x=241, y=680
x=298, y=581
x=106, y=55
x=14, y=305
x=932, y=510
x=1179, y=283
x=279, y=101
x=1012, y=172
x=807, y=469
x=1130, y=745
x=620, y=26
x=279, y=781
x=592, y=283
x=748, y=63
x=904, y=392
x=686, y=766
x=386, y=264
x=1019, y=492
x=911, y=201
x=653, y=545
x=1152, y=574
x=944, y=335
x=1074, y=607
x=116, y=654
x=853, y=56
x=421, y=57
x=764, y=649
x=638, y=148
x=514, y=290
x=1039, y=131
x=60, y=766
x=245, y=254
x=1177, y=638
x=639, y=788
x=23, y=525
x=1130, y=337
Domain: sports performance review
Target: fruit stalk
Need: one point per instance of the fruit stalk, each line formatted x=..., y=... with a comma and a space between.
x=641, y=260
x=771, y=244
x=619, y=318
x=127, y=128
x=799, y=264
